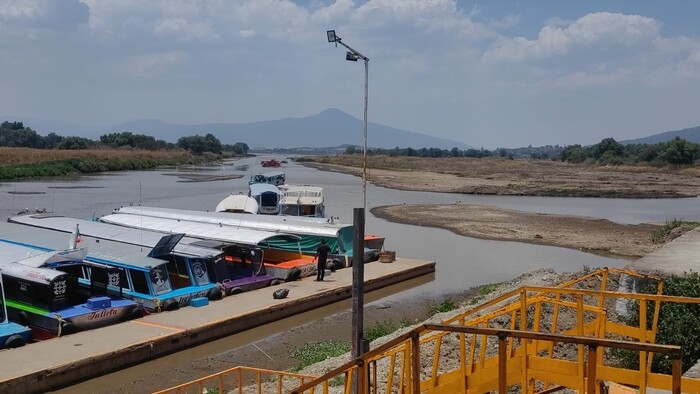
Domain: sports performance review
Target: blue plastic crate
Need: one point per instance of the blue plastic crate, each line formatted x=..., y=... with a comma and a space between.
x=200, y=301
x=99, y=302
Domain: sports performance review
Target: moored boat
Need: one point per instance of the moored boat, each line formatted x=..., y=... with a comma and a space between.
x=267, y=196
x=238, y=203
x=338, y=236
x=276, y=178
x=217, y=235
x=232, y=275
x=44, y=293
x=154, y=278
x=303, y=200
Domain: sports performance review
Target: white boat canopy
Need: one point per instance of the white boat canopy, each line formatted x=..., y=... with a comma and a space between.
x=210, y=231
x=257, y=189
x=109, y=232
x=238, y=203
x=283, y=224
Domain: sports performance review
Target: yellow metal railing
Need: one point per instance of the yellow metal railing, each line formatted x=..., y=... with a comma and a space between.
x=243, y=380
x=505, y=371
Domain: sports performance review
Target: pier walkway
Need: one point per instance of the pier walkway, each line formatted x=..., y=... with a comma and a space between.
x=675, y=258
x=59, y=362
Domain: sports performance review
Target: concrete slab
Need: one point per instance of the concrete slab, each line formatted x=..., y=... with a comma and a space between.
x=59, y=362
x=677, y=257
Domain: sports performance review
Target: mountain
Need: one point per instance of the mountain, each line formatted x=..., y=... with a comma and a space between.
x=331, y=127
x=691, y=134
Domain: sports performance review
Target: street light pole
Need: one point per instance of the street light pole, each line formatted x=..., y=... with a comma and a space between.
x=359, y=344
x=353, y=55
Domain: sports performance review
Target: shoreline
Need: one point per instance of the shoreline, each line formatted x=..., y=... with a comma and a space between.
x=597, y=236
x=517, y=177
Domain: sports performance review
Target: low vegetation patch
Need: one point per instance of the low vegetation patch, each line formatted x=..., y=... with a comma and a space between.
x=315, y=352
x=445, y=306
x=28, y=163
x=672, y=229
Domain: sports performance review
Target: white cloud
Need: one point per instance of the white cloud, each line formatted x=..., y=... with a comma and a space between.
x=44, y=14
x=146, y=66
x=601, y=29
x=185, y=29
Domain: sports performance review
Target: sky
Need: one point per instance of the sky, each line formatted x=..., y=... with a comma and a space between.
x=497, y=73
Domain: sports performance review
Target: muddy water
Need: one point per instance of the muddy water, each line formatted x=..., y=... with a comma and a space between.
x=461, y=262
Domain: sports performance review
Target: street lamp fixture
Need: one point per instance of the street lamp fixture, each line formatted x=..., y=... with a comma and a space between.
x=331, y=36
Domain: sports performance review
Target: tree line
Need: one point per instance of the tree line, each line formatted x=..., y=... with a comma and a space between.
x=15, y=134
x=607, y=152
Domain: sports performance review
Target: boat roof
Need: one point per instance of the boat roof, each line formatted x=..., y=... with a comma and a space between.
x=282, y=224
x=312, y=188
x=271, y=174
x=32, y=274
x=260, y=188
x=110, y=232
x=98, y=249
x=213, y=231
x=238, y=202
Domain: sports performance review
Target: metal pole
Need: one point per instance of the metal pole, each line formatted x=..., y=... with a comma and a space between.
x=358, y=274
x=364, y=152
x=359, y=344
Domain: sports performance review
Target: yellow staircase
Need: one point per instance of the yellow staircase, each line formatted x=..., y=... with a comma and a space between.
x=535, y=339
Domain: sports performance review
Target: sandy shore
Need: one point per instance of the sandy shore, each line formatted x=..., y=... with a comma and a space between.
x=487, y=222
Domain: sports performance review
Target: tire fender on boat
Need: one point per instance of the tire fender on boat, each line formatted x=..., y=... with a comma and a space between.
x=14, y=341
x=135, y=313
x=170, y=305
x=335, y=265
x=235, y=290
x=294, y=274
x=23, y=318
x=68, y=328
x=215, y=294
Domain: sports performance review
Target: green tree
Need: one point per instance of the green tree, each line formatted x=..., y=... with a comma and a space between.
x=679, y=151
x=75, y=143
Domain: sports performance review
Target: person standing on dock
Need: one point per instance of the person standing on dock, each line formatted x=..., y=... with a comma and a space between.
x=322, y=255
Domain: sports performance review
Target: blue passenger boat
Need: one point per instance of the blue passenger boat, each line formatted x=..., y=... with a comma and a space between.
x=11, y=334
x=234, y=268
x=154, y=278
x=42, y=290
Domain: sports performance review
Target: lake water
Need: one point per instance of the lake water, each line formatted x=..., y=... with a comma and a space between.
x=462, y=262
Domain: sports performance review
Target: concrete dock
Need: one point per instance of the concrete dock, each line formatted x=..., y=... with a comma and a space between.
x=60, y=362
x=675, y=258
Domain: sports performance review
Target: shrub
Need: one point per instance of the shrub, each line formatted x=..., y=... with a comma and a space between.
x=679, y=324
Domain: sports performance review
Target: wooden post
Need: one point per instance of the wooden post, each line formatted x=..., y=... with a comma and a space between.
x=415, y=362
x=358, y=280
x=592, y=363
x=358, y=291
x=502, y=363
x=676, y=374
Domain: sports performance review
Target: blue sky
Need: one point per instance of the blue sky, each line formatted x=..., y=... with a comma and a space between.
x=489, y=74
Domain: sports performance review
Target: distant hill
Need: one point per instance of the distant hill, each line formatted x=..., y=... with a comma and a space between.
x=691, y=134
x=331, y=127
